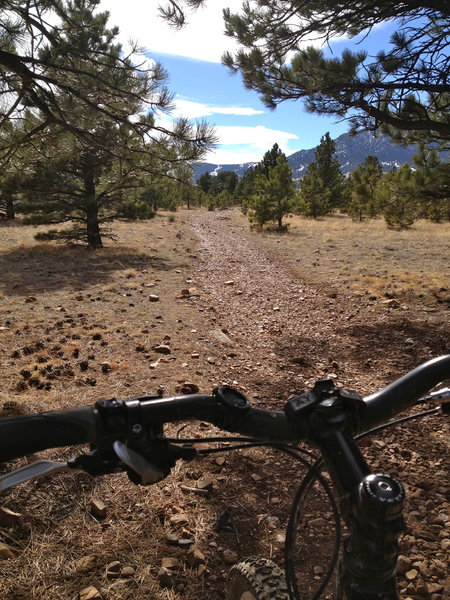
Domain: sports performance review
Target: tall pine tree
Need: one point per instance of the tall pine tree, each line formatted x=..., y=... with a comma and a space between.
x=322, y=189
x=273, y=194
x=363, y=183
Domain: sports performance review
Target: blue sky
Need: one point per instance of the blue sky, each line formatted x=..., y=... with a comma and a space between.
x=204, y=89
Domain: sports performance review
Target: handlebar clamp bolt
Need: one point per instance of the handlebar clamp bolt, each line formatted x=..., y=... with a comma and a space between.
x=137, y=429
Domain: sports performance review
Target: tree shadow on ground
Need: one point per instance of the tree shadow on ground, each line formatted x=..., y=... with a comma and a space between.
x=388, y=347
x=399, y=337
x=389, y=339
x=45, y=268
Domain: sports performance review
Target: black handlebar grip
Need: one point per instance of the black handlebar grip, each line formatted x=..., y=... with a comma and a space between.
x=24, y=435
x=401, y=394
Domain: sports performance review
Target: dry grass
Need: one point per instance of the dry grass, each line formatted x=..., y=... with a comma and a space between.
x=367, y=258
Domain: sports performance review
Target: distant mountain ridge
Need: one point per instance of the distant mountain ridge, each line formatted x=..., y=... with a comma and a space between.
x=350, y=150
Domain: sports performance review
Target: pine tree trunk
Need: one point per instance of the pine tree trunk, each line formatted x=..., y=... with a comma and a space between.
x=10, y=214
x=92, y=224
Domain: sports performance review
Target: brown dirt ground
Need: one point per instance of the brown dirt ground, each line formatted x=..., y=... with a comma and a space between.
x=357, y=303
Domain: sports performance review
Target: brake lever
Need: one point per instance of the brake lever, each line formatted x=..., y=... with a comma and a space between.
x=441, y=395
x=146, y=472
x=39, y=468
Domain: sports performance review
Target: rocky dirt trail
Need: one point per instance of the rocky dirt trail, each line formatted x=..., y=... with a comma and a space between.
x=285, y=334
x=282, y=328
x=292, y=333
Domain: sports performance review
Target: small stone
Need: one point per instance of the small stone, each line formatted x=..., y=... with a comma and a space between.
x=171, y=539
x=170, y=562
x=153, y=298
x=113, y=569
x=256, y=477
x=229, y=282
x=89, y=593
x=98, y=508
x=221, y=337
x=280, y=538
x=412, y=574
x=127, y=572
x=162, y=349
x=165, y=578
x=185, y=543
x=179, y=519
x=403, y=564
x=30, y=299
x=220, y=461
x=392, y=302
x=205, y=483
x=6, y=551
x=195, y=557
x=230, y=556
x=86, y=563
x=318, y=570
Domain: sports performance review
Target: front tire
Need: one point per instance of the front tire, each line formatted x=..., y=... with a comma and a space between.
x=257, y=579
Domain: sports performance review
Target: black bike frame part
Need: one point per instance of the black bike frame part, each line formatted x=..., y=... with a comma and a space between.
x=26, y=434
x=368, y=567
x=383, y=405
x=371, y=506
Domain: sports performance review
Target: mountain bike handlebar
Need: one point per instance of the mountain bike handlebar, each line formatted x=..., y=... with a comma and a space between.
x=226, y=408
x=128, y=435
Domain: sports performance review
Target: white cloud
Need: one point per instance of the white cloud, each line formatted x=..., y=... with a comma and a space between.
x=195, y=110
x=248, y=144
x=259, y=136
x=202, y=38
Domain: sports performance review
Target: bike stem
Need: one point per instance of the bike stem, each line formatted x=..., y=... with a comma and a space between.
x=371, y=504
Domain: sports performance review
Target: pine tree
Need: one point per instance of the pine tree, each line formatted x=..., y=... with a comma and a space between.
x=244, y=189
x=322, y=189
x=269, y=160
x=47, y=68
x=398, y=195
x=224, y=181
x=404, y=87
x=314, y=197
x=363, y=183
x=329, y=170
x=273, y=196
x=204, y=182
x=78, y=178
x=433, y=180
